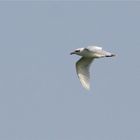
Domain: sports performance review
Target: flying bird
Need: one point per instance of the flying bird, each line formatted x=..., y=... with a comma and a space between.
x=82, y=65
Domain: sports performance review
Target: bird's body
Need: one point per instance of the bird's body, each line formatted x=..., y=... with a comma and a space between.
x=88, y=55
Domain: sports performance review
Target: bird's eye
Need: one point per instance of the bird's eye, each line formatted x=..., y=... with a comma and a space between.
x=77, y=51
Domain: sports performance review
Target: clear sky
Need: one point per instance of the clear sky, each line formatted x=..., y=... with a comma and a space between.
x=41, y=97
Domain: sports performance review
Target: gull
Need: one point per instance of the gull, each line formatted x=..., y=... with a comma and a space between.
x=83, y=64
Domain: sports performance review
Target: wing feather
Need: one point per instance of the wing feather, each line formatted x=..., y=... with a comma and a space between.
x=82, y=68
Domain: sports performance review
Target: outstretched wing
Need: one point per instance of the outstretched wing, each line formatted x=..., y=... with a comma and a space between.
x=94, y=48
x=82, y=68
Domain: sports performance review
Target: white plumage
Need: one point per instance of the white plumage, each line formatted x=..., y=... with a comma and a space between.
x=88, y=55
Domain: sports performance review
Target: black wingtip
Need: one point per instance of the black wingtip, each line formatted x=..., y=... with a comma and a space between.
x=112, y=55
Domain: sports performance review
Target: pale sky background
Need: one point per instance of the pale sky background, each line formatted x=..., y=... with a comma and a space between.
x=41, y=97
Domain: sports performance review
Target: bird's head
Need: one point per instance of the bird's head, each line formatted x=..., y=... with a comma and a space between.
x=77, y=51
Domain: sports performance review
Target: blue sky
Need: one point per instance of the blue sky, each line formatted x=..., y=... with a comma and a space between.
x=41, y=97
